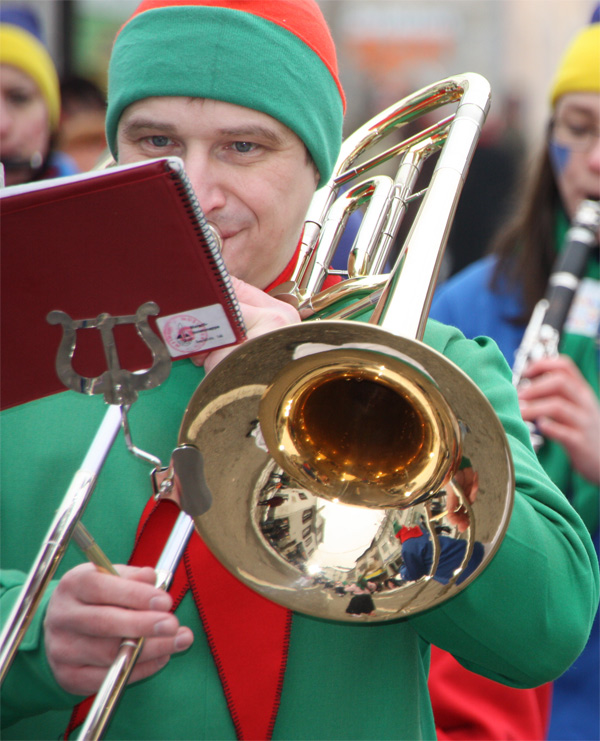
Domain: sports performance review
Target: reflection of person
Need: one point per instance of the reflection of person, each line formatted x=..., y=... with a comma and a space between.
x=252, y=102
x=418, y=554
x=562, y=397
x=361, y=602
x=29, y=102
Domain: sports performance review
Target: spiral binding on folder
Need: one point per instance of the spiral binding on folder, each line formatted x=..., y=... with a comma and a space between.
x=205, y=236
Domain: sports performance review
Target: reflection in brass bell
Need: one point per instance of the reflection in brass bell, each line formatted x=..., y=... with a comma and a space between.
x=361, y=427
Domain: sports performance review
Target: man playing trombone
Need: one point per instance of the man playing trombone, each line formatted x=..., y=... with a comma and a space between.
x=248, y=95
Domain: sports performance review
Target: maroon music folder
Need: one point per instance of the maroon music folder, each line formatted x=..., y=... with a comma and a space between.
x=107, y=242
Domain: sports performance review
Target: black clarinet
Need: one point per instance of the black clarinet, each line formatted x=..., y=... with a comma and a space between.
x=543, y=333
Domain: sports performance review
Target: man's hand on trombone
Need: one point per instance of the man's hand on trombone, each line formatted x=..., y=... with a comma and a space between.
x=91, y=612
x=262, y=314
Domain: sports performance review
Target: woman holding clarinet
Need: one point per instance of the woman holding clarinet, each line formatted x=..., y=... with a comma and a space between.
x=546, y=259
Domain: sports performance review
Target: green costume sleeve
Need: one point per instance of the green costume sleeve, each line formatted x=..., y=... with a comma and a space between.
x=29, y=687
x=545, y=573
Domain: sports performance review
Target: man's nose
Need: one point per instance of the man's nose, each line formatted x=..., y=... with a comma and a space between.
x=207, y=181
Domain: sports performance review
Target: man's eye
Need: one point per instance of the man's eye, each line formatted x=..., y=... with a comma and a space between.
x=243, y=147
x=159, y=140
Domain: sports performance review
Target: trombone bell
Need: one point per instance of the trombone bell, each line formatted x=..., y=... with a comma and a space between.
x=361, y=427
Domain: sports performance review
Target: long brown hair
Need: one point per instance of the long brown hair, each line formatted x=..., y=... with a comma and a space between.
x=525, y=246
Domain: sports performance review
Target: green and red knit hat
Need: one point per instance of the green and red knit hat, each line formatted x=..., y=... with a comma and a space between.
x=273, y=56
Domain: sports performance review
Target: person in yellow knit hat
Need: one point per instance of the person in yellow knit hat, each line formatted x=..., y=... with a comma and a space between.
x=29, y=102
x=561, y=398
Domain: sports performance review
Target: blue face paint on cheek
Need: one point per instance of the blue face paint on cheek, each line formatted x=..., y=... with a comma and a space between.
x=559, y=156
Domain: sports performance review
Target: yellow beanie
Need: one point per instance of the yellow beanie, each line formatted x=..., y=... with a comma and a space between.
x=579, y=70
x=23, y=50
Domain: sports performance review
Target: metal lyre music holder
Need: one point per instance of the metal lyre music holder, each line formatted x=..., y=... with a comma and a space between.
x=119, y=386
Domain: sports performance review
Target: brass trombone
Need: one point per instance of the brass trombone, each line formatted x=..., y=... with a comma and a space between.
x=333, y=428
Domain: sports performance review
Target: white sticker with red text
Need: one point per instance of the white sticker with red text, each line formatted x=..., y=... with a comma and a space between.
x=196, y=331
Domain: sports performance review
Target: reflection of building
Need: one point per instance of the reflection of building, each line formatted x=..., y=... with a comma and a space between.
x=291, y=521
x=383, y=557
x=387, y=548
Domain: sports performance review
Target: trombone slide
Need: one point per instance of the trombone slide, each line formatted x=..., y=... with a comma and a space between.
x=114, y=683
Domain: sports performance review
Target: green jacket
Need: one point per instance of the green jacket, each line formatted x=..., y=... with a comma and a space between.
x=522, y=622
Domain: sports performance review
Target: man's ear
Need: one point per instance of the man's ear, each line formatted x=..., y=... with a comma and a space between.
x=317, y=176
x=310, y=160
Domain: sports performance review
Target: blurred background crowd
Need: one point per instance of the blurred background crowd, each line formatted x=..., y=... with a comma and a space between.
x=387, y=49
